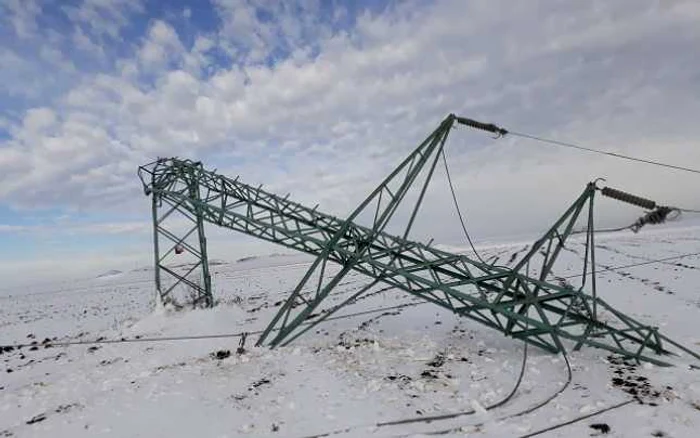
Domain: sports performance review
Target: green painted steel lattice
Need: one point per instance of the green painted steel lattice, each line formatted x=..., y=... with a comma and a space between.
x=519, y=302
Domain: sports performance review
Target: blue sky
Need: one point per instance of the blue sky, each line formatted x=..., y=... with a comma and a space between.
x=321, y=99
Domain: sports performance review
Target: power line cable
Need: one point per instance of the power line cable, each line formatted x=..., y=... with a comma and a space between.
x=608, y=153
x=569, y=378
x=469, y=239
x=195, y=337
x=500, y=132
x=577, y=419
x=657, y=216
x=466, y=232
x=570, y=373
x=459, y=211
x=506, y=399
x=350, y=315
x=649, y=262
x=431, y=418
x=505, y=417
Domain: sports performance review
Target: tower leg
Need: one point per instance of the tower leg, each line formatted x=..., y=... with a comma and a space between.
x=182, y=274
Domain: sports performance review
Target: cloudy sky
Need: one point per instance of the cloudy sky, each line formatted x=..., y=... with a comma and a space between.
x=321, y=99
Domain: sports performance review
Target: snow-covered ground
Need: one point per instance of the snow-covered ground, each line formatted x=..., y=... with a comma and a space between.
x=351, y=376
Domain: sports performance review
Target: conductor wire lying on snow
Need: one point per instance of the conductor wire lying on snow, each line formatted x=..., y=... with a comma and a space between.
x=195, y=337
x=427, y=419
x=506, y=399
x=649, y=262
x=569, y=377
x=332, y=318
x=509, y=416
x=577, y=419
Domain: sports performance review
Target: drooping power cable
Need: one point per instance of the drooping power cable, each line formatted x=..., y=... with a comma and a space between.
x=608, y=153
x=500, y=132
x=459, y=211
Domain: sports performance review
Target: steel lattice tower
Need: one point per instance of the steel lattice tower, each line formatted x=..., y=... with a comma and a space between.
x=510, y=300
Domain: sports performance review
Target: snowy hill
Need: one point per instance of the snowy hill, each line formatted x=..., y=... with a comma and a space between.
x=374, y=374
x=110, y=273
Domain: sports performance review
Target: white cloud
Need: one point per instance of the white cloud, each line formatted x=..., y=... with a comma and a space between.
x=54, y=58
x=18, y=76
x=85, y=43
x=21, y=14
x=4, y=228
x=339, y=110
x=104, y=18
x=248, y=37
x=39, y=120
x=160, y=46
x=71, y=228
x=24, y=76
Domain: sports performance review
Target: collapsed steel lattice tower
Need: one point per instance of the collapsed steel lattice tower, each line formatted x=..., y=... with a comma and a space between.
x=510, y=300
